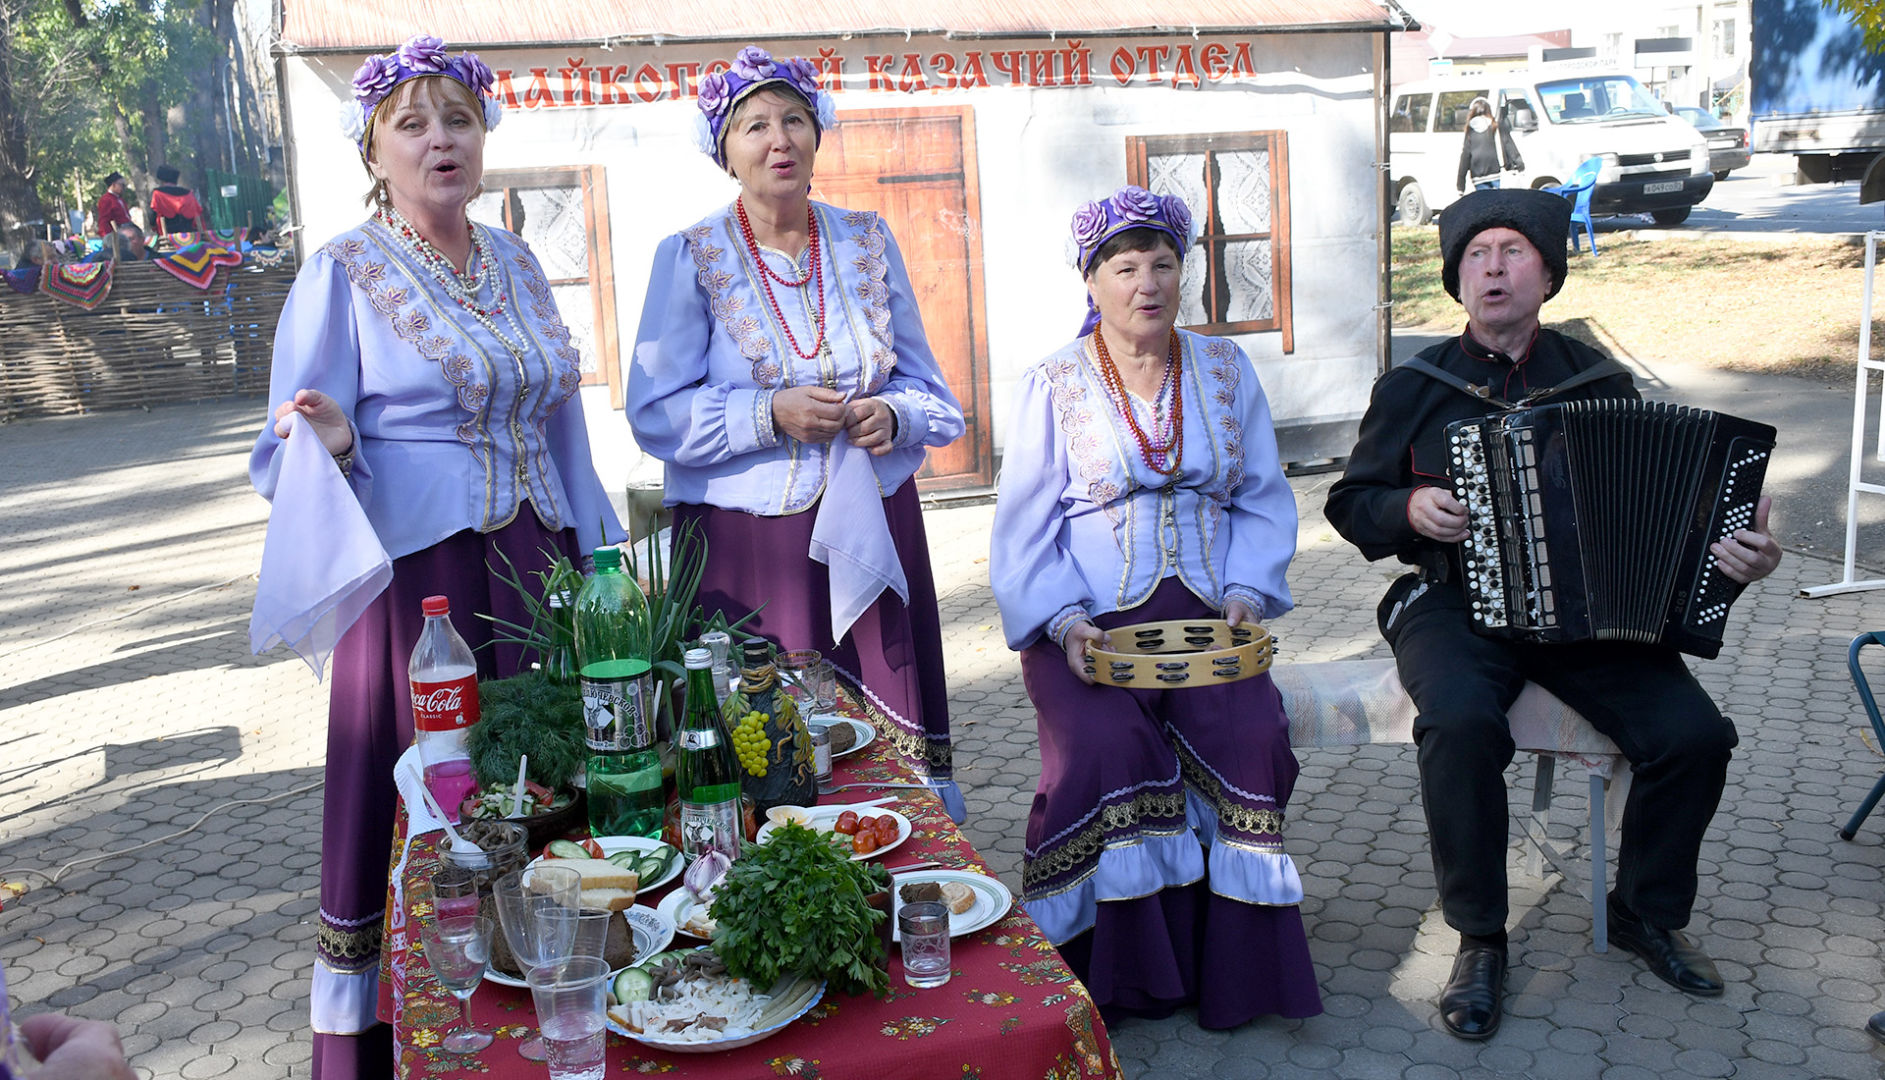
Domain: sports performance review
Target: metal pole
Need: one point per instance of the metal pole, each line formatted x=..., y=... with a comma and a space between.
x=1854, y=485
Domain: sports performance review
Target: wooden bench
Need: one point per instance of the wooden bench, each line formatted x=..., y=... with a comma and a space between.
x=1361, y=702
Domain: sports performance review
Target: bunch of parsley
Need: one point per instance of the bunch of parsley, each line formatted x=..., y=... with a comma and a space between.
x=797, y=904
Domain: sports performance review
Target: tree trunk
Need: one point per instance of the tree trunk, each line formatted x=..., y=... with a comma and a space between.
x=19, y=198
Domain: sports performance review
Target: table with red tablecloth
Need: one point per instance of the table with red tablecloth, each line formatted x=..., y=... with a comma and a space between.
x=1012, y=1009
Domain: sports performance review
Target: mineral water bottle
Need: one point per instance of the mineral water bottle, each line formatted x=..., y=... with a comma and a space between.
x=706, y=775
x=615, y=670
x=444, y=680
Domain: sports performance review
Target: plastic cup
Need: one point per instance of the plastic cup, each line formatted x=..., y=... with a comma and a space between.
x=822, y=680
x=569, y=998
x=923, y=927
x=587, y=929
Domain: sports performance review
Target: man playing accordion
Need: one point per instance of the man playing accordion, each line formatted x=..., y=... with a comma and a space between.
x=1504, y=256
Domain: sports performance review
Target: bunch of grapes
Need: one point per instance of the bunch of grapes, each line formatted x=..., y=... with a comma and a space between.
x=751, y=744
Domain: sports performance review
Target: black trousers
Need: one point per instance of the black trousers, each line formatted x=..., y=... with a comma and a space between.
x=1643, y=697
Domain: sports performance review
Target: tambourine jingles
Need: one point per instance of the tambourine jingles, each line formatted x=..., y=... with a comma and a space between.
x=1182, y=652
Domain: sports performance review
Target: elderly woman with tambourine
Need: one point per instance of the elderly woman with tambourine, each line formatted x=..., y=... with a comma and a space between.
x=1141, y=484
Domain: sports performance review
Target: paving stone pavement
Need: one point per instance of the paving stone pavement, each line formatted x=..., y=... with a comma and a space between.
x=137, y=727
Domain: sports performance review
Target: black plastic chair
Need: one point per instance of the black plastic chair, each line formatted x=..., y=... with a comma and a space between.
x=1873, y=637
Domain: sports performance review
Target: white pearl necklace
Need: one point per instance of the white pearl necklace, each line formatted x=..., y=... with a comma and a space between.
x=464, y=288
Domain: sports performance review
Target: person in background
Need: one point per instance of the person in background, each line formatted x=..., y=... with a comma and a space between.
x=782, y=373
x=174, y=208
x=428, y=358
x=1141, y=483
x=35, y=253
x=1488, y=149
x=131, y=245
x=111, y=209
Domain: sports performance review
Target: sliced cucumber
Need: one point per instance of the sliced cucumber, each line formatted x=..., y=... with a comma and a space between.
x=649, y=867
x=565, y=849
x=633, y=984
x=627, y=860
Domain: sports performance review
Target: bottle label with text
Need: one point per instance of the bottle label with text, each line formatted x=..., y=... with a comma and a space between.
x=445, y=706
x=616, y=716
x=710, y=827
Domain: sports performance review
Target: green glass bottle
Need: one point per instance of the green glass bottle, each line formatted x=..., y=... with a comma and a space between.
x=614, y=668
x=705, y=773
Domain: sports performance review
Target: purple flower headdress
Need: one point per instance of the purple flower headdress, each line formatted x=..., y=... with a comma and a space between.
x=754, y=68
x=421, y=56
x=1130, y=207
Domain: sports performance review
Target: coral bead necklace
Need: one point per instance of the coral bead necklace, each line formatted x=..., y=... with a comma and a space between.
x=1164, y=450
x=815, y=274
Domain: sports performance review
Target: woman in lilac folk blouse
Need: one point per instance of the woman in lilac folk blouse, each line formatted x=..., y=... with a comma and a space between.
x=782, y=373
x=427, y=355
x=1141, y=483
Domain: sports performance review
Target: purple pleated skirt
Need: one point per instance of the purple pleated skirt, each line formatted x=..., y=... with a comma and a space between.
x=1150, y=776
x=369, y=725
x=894, y=649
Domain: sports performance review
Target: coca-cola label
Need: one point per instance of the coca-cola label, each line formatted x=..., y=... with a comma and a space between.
x=616, y=716
x=710, y=827
x=445, y=706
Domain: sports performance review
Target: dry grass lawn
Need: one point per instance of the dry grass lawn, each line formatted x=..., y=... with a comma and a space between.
x=1787, y=306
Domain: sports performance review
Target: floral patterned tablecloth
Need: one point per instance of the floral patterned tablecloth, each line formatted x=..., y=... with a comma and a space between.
x=1012, y=1009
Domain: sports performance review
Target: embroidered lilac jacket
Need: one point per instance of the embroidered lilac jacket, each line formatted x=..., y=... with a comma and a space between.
x=1083, y=527
x=710, y=354
x=452, y=431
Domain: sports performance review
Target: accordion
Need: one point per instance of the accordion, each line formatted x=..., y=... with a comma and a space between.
x=1591, y=520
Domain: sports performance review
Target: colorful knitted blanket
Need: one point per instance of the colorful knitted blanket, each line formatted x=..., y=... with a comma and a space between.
x=24, y=280
x=197, y=264
x=82, y=284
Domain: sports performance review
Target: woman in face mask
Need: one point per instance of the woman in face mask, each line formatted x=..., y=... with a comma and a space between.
x=1488, y=150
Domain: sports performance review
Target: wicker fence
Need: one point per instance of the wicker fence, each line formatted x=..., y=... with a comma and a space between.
x=154, y=339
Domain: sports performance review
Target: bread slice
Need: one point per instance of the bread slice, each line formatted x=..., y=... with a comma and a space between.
x=609, y=899
x=958, y=896
x=601, y=874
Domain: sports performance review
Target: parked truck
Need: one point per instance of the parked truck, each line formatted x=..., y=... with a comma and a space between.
x=1815, y=90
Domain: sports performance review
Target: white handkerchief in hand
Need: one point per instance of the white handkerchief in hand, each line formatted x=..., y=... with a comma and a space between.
x=322, y=563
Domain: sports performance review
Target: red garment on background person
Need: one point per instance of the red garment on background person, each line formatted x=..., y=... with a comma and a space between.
x=176, y=209
x=111, y=213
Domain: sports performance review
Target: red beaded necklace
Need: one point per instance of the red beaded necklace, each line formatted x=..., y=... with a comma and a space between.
x=1164, y=455
x=815, y=274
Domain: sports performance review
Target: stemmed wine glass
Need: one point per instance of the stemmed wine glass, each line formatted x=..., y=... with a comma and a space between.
x=454, y=892
x=523, y=896
x=459, y=949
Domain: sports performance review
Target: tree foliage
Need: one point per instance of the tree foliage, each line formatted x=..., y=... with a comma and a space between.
x=1868, y=16
x=93, y=87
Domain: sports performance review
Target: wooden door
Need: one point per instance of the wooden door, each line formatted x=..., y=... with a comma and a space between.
x=916, y=167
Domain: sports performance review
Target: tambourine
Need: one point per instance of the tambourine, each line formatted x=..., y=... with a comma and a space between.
x=1183, y=652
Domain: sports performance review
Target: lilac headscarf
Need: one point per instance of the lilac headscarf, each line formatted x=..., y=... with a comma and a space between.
x=753, y=69
x=1130, y=207
x=421, y=56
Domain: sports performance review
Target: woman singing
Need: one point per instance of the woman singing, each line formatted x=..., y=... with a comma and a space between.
x=782, y=373
x=1141, y=483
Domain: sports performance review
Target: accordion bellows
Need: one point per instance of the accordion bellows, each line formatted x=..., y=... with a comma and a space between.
x=1591, y=520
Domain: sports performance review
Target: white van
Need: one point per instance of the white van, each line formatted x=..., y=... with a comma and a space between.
x=1559, y=115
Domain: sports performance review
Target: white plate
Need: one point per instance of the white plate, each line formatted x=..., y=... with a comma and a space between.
x=825, y=817
x=651, y=930
x=678, y=906
x=992, y=899
x=865, y=733
x=615, y=845
x=796, y=986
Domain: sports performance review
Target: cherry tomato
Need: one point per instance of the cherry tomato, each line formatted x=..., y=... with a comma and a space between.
x=864, y=842
x=886, y=831
x=847, y=823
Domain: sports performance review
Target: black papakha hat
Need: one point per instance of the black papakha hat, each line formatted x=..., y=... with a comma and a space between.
x=1539, y=216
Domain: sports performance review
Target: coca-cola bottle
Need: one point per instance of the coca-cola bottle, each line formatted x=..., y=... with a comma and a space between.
x=444, y=681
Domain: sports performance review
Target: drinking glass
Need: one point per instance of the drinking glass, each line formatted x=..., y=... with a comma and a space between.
x=588, y=929
x=522, y=897
x=795, y=668
x=822, y=680
x=454, y=892
x=459, y=950
x=923, y=927
x=569, y=1001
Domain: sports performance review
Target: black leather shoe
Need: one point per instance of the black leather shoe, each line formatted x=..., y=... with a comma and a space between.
x=1473, y=1000
x=1876, y=1026
x=1671, y=956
